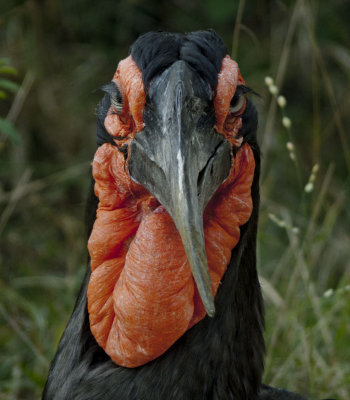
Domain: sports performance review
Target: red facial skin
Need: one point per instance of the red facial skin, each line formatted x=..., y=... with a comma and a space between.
x=141, y=294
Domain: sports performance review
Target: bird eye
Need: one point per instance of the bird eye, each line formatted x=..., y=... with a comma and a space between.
x=239, y=100
x=117, y=103
x=237, y=103
x=116, y=97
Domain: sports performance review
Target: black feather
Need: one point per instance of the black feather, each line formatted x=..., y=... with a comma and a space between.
x=154, y=52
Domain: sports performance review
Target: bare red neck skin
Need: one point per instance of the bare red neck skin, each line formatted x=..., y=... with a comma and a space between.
x=141, y=294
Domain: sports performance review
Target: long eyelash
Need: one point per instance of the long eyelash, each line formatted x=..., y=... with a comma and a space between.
x=117, y=104
x=242, y=89
x=116, y=97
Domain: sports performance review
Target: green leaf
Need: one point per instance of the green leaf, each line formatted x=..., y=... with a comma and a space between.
x=3, y=95
x=6, y=69
x=9, y=130
x=10, y=86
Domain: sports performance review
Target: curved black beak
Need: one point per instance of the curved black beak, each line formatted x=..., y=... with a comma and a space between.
x=181, y=160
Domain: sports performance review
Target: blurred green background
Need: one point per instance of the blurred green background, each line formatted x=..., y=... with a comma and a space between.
x=55, y=54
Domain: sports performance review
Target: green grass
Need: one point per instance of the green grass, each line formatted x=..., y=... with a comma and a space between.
x=304, y=236
x=303, y=243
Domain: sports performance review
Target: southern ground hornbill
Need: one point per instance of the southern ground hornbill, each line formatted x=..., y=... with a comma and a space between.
x=170, y=307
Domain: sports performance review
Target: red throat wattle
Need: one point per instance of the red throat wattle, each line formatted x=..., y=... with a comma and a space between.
x=141, y=294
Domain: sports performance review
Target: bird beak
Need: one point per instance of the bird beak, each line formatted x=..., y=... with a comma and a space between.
x=181, y=160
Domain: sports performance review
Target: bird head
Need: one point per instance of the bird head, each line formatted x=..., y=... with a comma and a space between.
x=173, y=176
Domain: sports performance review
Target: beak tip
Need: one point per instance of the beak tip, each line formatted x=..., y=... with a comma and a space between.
x=211, y=313
x=210, y=309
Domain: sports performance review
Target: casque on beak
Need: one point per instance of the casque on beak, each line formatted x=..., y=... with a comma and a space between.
x=181, y=160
